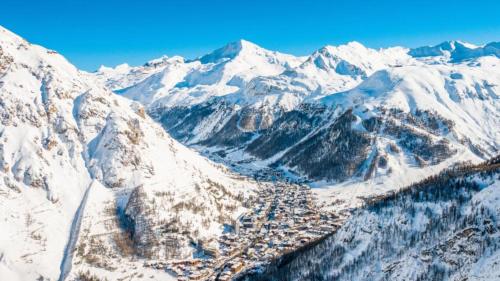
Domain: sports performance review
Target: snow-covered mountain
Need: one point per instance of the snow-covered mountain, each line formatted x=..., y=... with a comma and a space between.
x=457, y=51
x=89, y=181
x=175, y=81
x=123, y=75
x=348, y=115
x=98, y=181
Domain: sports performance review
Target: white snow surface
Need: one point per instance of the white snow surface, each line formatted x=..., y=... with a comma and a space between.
x=471, y=102
x=184, y=82
x=456, y=51
x=63, y=130
x=60, y=131
x=249, y=75
x=457, y=80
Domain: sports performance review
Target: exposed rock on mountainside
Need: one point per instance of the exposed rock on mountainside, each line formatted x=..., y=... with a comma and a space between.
x=93, y=186
x=408, y=108
x=78, y=161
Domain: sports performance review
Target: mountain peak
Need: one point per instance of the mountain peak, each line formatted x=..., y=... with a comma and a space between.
x=440, y=49
x=352, y=45
x=352, y=58
x=452, y=45
x=355, y=44
x=230, y=51
x=242, y=43
x=119, y=68
x=157, y=61
x=456, y=50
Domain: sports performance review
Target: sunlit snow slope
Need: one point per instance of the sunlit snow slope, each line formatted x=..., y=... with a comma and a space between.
x=75, y=157
x=348, y=116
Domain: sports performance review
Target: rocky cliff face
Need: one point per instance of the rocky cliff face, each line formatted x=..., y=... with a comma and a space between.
x=65, y=142
x=405, y=110
x=92, y=183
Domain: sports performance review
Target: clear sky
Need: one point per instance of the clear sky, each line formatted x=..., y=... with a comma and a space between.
x=91, y=32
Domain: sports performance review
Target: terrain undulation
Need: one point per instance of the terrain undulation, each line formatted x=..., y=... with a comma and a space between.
x=120, y=173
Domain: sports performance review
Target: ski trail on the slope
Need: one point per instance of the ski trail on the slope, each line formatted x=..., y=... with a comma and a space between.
x=73, y=237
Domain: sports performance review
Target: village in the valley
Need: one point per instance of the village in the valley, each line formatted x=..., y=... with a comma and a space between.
x=284, y=218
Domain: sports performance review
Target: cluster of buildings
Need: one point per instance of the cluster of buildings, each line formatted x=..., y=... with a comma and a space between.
x=283, y=219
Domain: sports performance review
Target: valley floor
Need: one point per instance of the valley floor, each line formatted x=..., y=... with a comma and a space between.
x=284, y=218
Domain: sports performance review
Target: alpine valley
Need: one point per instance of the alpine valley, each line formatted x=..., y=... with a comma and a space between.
x=249, y=164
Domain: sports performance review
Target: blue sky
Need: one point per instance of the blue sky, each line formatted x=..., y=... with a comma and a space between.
x=90, y=33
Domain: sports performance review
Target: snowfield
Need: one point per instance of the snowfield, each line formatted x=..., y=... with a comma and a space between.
x=411, y=113
x=63, y=134
x=96, y=178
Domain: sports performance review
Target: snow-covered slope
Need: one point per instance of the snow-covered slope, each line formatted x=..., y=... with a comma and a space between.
x=466, y=95
x=73, y=153
x=123, y=75
x=224, y=71
x=329, y=69
x=91, y=182
x=330, y=122
x=248, y=75
x=442, y=228
x=456, y=51
x=350, y=117
x=264, y=98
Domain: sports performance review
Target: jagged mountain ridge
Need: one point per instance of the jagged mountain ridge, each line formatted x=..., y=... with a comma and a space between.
x=129, y=192
x=123, y=76
x=86, y=172
x=457, y=51
x=177, y=81
x=402, y=103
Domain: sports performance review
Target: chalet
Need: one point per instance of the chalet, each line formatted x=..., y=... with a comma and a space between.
x=237, y=267
x=211, y=251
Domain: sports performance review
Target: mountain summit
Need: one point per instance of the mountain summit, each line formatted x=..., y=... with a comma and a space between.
x=231, y=50
x=340, y=92
x=457, y=51
x=97, y=181
x=222, y=72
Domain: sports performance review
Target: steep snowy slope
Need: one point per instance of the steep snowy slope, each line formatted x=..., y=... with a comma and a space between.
x=64, y=140
x=404, y=116
x=467, y=95
x=330, y=69
x=265, y=98
x=399, y=125
x=442, y=228
x=124, y=76
x=44, y=175
x=224, y=71
x=347, y=116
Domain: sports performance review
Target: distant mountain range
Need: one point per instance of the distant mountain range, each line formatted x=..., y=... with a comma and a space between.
x=102, y=171
x=346, y=113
